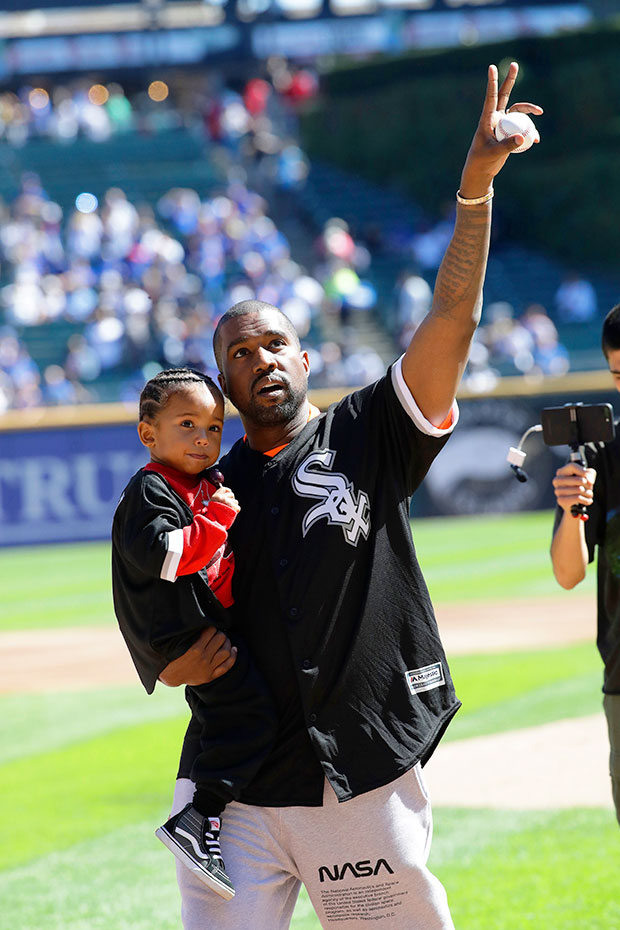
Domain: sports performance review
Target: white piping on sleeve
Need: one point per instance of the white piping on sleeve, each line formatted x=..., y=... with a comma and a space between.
x=174, y=544
x=409, y=405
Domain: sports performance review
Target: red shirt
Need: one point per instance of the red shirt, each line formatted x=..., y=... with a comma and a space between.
x=205, y=540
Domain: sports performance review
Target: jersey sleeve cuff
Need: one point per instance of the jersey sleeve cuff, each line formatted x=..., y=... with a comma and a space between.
x=413, y=411
x=174, y=545
x=221, y=513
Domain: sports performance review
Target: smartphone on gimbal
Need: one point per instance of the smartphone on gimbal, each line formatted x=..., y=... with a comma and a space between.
x=575, y=424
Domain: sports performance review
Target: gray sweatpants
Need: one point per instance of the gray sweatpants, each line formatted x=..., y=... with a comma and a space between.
x=363, y=863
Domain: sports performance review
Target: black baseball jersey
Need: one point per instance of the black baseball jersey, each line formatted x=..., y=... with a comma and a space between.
x=349, y=644
x=160, y=618
x=602, y=530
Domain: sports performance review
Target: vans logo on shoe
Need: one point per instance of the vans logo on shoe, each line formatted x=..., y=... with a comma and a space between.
x=425, y=678
x=361, y=869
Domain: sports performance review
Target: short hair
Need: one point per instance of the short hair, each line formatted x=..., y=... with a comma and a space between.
x=241, y=309
x=157, y=392
x=610, y=339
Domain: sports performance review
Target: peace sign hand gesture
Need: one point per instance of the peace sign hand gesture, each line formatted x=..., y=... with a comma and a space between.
x=486, y=156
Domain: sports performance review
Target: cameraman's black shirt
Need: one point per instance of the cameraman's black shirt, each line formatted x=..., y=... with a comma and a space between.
x=602, y=530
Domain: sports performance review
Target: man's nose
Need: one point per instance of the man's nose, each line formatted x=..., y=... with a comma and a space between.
x=264, y=360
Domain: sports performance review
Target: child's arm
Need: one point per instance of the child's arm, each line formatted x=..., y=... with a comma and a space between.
x=206, y=535
x=148, y=527
x=149, y=531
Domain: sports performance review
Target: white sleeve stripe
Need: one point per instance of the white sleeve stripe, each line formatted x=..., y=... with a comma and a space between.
x=174, y=544
x=411, y=408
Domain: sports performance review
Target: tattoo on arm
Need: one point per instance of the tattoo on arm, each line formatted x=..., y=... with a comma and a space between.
x=461, y=274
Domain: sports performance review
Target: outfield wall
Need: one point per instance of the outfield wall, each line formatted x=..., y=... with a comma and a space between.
x=62, y=470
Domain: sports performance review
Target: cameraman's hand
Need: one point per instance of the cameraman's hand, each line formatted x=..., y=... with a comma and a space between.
x=574, y=484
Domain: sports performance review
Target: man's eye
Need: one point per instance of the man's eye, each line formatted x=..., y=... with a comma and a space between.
x=239, y=353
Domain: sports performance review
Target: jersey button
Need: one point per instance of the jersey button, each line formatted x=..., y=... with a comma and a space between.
x=293, y=612
x=312, y=718
x=283, y=563
x=275, y=511
x=306, y=663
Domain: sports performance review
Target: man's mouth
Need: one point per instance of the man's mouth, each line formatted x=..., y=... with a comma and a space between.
x=270, y=387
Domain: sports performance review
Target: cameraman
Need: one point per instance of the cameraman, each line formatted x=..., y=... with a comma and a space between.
x=597, y=487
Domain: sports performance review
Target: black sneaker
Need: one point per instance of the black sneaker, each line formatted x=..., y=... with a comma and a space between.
x=195, y=841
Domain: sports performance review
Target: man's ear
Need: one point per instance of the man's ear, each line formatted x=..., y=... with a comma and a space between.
x=222, y=382
x=145, y=432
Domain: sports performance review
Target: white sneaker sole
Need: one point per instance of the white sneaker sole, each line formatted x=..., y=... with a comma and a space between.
x=205, y=877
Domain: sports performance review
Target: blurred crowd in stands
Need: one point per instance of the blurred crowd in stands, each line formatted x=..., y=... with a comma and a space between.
x=141, y=286
x=96, y=111
x=504, y=344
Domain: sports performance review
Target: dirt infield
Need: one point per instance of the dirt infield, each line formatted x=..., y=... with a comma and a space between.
x=498, y=626
x=557, y=765
x=63, y=660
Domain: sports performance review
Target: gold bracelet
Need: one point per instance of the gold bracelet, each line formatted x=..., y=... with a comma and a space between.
x=474, y=200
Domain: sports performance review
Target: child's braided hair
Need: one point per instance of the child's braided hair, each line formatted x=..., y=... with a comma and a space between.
x=156, y=392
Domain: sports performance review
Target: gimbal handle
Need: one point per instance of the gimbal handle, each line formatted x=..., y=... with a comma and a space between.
x=579, y=511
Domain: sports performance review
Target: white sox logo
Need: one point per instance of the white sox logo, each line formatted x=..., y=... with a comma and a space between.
x=339, y=505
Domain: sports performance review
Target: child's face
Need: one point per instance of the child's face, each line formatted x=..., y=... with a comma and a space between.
x=188, y=431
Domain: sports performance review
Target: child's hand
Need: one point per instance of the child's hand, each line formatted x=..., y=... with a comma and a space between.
x=225, y=496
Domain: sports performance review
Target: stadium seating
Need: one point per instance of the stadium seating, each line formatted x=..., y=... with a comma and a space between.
x=144, y=166
x=516, y=274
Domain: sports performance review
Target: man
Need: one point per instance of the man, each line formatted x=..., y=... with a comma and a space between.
x=350, y=646
x=597, y=487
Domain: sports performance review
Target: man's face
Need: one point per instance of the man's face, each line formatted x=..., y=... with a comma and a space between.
x=613, y=360
x=187, y=433
x=264, y=372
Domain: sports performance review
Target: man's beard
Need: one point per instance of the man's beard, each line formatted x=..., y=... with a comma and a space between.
x=274, y=414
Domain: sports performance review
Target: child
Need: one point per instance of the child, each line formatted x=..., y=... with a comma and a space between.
x=172, y=571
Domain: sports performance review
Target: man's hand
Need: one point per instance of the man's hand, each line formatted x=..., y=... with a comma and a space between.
x=487, y=156
x=435, y=360
x=211, y=656
x=574, y=484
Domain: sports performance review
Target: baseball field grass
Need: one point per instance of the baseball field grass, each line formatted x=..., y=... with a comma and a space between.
x=464, y=559
x=87, y=774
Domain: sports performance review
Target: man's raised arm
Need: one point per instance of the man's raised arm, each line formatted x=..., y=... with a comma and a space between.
x=437, y=354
